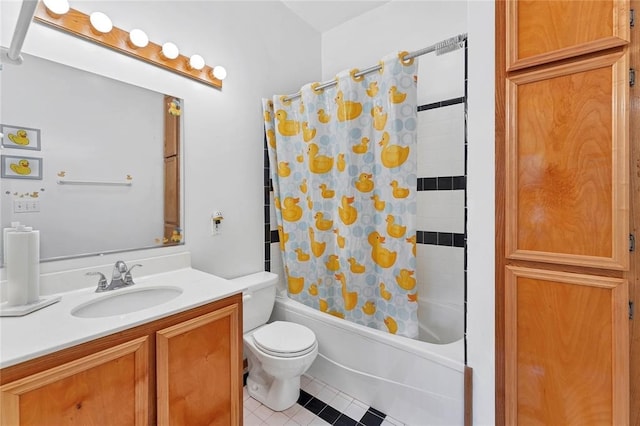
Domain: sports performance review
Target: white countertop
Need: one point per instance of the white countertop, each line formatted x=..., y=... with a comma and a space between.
x=54, y=328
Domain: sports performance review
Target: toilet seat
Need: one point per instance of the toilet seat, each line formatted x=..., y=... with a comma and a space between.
x=285, y=339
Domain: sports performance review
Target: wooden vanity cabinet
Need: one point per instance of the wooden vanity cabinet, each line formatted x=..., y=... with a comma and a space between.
x=185, y=369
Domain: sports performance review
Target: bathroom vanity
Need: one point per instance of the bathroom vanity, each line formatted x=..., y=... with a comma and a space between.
x=179, y=362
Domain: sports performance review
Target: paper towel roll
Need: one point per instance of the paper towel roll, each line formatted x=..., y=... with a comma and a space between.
x=5, y=231
x=23, y=266
x=33, y=293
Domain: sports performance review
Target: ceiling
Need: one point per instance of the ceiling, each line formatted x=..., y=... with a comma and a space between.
x=324, y=15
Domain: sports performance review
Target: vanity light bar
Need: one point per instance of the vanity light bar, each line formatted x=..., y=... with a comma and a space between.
x=78, y=24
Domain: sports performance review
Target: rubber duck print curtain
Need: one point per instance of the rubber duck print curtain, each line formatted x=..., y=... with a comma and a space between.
x=343, y=166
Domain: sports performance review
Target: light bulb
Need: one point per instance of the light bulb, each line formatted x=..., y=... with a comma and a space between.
x=138, y=38
x=170, y=50
x=56, y=8
x=196, y=62
x=219, y=72
x=100, y=22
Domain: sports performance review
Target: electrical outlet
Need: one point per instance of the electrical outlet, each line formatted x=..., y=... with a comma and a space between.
x=216, y=220
x=19, y=206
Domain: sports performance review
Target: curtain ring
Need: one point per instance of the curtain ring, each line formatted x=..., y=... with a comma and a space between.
x=405, y=62
x=355, y=78
x=381, y=70
x=315, y=89
x=285, y=101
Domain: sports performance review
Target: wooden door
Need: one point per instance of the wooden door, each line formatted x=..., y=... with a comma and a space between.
x=109, y=387
x=562, y=212
x=172, y=112
x=199, y=367
x=634, y=287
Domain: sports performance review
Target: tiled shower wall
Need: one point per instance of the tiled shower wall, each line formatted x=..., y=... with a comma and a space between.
x=441, y=185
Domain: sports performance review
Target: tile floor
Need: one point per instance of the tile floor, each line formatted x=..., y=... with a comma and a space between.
x=319, y=404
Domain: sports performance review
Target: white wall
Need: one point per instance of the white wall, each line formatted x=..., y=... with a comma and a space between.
x=265, y=48
x=407, y=25
x=481, y=203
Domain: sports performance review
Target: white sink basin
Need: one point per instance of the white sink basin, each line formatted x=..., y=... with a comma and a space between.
x=126, y=302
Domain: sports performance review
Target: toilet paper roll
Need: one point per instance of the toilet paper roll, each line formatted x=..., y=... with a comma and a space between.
x=23, y=266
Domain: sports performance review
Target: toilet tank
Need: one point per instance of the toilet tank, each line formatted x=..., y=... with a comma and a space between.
x=258, y=299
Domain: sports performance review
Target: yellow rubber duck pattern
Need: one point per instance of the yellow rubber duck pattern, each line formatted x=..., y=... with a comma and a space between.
x=349, y=150
x=20, y=137
x=21, y=167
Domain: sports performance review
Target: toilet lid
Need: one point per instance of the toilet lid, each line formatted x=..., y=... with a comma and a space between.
x=283, y=338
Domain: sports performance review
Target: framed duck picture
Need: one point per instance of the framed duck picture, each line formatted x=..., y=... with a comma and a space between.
x=17, y=167
x=17, y=137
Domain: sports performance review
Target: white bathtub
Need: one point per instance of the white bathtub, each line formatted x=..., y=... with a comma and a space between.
x=416, y=382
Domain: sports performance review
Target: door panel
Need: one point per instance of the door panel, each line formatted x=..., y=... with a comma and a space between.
x=171, y=193
x=196, y=365
x=542, y=31
x=109, y=387
x=567, y=336
x=567, y=169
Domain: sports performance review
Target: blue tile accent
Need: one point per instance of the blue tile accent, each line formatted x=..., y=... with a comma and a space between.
x=329, y=414
x=442, y=183
x=441, y=239
x=447, y=102
x=345, y=420
x=371, y=419
x=304, y=398
x=377, y=413
x=315, y=406
x=332, y=416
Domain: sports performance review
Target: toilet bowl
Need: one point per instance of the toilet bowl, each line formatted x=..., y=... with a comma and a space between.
x=278, y=353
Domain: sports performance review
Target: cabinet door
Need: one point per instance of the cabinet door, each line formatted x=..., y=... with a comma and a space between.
x=567, y=163
x=199, y=369
x=568, y=348
x=541, y=31
x=109, y=387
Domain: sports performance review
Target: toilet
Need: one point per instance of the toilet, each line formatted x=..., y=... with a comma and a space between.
x=278, y=353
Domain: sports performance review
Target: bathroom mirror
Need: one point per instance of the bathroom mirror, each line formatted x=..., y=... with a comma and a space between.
x=102, y=160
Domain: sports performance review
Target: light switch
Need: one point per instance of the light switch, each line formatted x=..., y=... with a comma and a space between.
x=33, y=205
x=26, y=206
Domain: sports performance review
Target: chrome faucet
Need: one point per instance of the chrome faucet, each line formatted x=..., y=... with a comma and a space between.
x=128, y=279
x=102, y=283
x=117, y=276
x=120, y=277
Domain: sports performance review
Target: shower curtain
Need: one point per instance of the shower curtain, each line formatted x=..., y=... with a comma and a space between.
x=343, y=167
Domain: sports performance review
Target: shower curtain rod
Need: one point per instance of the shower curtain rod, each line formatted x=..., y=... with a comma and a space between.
x=442, y=47
x=12, y=54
